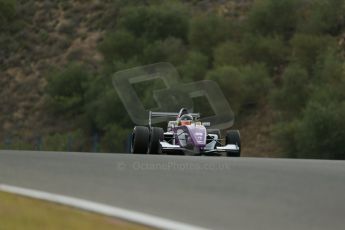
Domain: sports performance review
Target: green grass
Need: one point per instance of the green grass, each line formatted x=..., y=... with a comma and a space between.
x=18, y=212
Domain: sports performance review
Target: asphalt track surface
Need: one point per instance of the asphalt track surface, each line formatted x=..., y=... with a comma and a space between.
x=211, y=192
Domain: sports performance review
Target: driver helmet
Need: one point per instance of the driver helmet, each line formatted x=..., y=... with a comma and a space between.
x=186, y=119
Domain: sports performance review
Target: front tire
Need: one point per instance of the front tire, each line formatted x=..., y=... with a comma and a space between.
x=140, y=140
x=157, y=135
x=233, y=138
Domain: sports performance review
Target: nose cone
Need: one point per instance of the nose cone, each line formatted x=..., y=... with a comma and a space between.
x=198, y=134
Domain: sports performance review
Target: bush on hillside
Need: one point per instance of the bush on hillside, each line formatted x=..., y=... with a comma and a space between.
x=269, y=50
x=66, y=89
x=306, y=48
x=170, y=50
x=321, y=132
x=7, y=12
x=146, y=34
x=257, y=81
x=316, y=129
x=121, y=45
x=231, y=82
x=9, y=26
x=155, y=22
x=293, y=95
x=272, y=17
x=284, y=134
x=194, y=67
x=229, y=53
x=207, y=31
x=323, y=17
x=329, y=68
x=114, y=139
x=106, y=108
x=71, y=141
x=242, y=85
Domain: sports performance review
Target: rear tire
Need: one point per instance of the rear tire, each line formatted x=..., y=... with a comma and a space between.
x=233, y=138
x=140, y=140
x=157, y=135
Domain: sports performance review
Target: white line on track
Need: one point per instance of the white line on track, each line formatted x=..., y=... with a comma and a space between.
x=133, y=216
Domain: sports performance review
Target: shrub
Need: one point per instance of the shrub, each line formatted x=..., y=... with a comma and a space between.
x=169, y=50
x=306, y=48
x=19, y=144
x=271, y=17
x=106, y=108
x=195, y=66
x=293, y=95
x=120, y=46
x=7, y=12
x=329, y=68
x=207, y=31
x=229, y=53
x=114, y=139
x=323, y=16
x=155, y=22
x=231, y=82
x=55, y=142
x=9, y=25
x=66, y=89
x=257, y=81
x=270, y=50
x=321, y=132
x=243, y=85
x=329, y=80
x=71, y=141
x=284, y=133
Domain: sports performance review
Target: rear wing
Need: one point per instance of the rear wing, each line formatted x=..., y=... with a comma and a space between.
x=167, y=114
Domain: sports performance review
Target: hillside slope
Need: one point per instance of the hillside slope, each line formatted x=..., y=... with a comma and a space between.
x=279, y=63
x=55, y=34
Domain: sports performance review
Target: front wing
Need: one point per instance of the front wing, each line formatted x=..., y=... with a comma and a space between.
x=168, y=148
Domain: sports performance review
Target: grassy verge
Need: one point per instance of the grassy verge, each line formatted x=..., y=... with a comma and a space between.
x=18, y=212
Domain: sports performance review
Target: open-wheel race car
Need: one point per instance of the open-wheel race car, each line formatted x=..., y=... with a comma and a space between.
x=185, y=135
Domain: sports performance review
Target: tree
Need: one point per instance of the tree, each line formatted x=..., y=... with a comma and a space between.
x=207, y=31
x=66, y=89
x=7, y=12
x=291, y=98
x=271, y=17
x=323, y=17
x=321, y=132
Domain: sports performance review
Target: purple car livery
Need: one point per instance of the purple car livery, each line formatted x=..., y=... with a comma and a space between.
x=185, y=135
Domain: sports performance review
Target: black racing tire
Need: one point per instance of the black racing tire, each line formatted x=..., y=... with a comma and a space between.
x=233, y=138
x=156, y=136
x=140, y=140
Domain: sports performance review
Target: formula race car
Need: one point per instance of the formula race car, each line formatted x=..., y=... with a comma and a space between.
x=184, y=136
